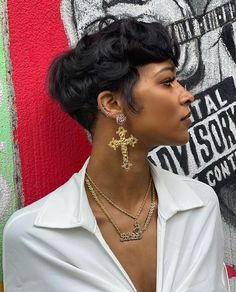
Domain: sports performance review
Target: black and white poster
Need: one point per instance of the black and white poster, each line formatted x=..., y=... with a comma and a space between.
x=206, y=32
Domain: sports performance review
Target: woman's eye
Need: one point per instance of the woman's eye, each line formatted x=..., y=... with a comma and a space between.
x=168, y=82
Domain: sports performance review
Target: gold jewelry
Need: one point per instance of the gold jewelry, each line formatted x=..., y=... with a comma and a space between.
x=123, y=143
x=135, y=217
x=137, y=232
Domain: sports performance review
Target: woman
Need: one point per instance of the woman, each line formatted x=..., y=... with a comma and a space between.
x=120, y=224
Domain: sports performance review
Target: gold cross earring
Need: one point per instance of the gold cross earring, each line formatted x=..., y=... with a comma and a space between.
x=123, y=142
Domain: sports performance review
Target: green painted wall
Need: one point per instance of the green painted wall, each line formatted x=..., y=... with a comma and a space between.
x=8, y=189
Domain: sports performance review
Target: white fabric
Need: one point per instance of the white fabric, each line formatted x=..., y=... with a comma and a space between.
x=55, y=245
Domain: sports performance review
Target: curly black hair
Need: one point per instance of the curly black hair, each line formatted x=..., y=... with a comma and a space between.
x=106, y=58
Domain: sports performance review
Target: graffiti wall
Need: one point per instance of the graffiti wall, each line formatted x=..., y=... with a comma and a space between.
x=44, y=147
x=40, y=147
x=206, y=33
x=9, y=197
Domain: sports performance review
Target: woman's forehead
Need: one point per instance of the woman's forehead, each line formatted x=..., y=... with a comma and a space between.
x=154, y=69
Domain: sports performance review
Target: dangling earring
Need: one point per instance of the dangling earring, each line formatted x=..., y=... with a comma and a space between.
x=123, y=142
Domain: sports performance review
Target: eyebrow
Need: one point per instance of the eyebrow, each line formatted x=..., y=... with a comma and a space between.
x=170, y=68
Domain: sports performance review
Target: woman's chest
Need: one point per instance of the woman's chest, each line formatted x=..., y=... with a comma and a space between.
x=137, y=257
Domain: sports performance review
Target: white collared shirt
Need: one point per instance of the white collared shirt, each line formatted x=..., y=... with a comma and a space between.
x=55, y=245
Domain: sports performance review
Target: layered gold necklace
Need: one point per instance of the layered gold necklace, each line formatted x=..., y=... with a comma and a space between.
x=138, y=230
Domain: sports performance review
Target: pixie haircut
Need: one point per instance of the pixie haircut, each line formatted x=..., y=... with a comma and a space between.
x=106, y=58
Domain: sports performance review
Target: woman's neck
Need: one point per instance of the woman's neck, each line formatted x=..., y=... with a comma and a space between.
x=125, y=187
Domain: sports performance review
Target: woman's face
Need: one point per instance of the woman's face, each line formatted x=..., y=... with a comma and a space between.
x=163, y=118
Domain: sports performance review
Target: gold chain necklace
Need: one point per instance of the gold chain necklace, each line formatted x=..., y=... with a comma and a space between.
x=135, y=217
x=137, y=232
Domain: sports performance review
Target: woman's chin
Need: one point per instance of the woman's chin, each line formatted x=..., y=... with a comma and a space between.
x=179, y=141
x=183, y=140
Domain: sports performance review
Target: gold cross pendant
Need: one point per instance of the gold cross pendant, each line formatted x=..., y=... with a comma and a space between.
x=123, y=143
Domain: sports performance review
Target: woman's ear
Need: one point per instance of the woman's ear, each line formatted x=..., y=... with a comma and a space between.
x=109, y=104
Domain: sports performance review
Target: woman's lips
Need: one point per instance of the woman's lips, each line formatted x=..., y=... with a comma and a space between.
x=187, y=119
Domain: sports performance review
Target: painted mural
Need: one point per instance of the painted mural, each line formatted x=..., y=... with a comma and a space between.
x=205, y=30
x=52, y=146
x=40, y=147
x=8, y=194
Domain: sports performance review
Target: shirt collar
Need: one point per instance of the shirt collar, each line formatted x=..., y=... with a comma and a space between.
x=68, y=206
x=174, y=194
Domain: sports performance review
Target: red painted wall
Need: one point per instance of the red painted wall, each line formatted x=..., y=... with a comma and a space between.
x=52, y=146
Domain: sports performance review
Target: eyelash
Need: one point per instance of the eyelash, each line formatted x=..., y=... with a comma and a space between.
x=168, y=82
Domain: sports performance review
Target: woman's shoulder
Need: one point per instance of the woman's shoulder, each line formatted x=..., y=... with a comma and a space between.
x=202, y=190
x=24, y=218
x=206, y=193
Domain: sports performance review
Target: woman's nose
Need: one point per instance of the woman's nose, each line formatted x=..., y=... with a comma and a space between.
x=185, y=95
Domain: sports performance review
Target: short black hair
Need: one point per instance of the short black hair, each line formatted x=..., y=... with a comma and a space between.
x=107, y=59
